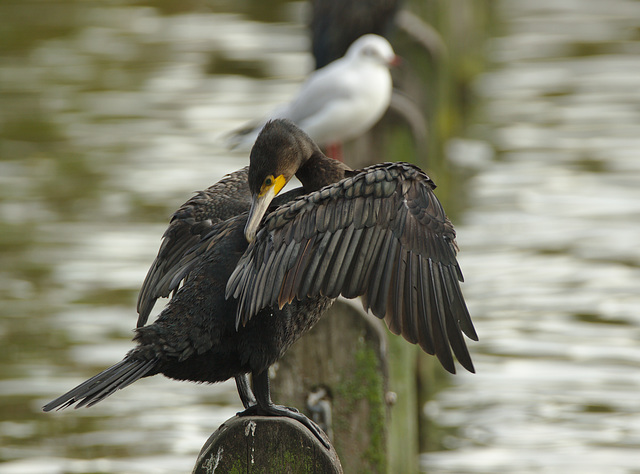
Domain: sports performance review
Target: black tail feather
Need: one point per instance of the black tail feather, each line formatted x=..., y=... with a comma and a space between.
x=100, y=386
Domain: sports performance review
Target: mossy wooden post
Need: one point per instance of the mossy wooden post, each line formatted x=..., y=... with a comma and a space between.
x=345, y=355
x=265, y=445
x=439, y=82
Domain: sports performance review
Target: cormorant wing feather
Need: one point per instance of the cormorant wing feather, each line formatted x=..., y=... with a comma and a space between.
x=189, y=225
x=381, y=234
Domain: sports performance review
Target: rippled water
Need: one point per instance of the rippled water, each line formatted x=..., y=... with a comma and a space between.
x=111, y=116
x=551, y=248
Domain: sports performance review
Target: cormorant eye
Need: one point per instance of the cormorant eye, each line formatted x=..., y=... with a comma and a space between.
x=268, y=181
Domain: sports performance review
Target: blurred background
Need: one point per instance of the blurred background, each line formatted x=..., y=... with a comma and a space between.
x=113, y=113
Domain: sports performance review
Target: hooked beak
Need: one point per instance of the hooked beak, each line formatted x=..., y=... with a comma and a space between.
x=259, y=207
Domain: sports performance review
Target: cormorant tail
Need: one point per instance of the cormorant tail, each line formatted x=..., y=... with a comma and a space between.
x=104, y=384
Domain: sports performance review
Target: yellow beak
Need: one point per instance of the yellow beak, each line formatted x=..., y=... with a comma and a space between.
x=260, y=205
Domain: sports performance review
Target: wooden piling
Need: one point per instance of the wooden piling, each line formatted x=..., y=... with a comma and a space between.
x=265, y=445
x=344, y=354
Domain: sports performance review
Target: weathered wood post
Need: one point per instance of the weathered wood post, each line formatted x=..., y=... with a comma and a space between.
x=259, y=444
x=344, y=356
x=438, y=83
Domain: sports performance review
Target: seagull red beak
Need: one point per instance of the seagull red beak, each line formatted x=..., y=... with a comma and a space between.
x=396, y=61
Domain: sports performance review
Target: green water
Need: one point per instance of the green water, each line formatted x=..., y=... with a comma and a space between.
x=112, y=114
x=110, y=117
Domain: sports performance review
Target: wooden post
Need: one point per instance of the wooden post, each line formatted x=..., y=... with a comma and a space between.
x=261, y=444
x=345, y=355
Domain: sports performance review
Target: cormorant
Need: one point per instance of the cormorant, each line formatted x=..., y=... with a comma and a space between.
x=379, y=233
x=340, y=101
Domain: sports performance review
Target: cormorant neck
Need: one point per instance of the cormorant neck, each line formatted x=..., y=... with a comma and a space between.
x=319, y=170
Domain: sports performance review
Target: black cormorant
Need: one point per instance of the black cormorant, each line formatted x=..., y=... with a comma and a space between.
x=379, y=233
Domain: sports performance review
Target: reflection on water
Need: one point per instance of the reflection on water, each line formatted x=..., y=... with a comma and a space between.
x=550, y=249
x=111, y=116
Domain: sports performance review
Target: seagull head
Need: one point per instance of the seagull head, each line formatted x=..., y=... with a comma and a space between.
x=373, y=48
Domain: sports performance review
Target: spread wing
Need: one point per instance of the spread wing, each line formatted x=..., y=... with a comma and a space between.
x=189, y=225
x=381, y=234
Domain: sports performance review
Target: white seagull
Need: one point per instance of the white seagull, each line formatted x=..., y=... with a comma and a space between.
x=340, y=101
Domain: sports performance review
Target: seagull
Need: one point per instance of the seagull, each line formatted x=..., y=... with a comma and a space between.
x=339, y=101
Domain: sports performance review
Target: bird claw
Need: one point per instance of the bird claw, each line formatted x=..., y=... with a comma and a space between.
x=288, y=412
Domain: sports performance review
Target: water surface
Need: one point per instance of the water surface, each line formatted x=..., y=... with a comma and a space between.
x=110, y=116
x=550, y=248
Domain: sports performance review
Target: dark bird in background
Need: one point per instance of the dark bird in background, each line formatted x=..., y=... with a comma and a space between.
x=253, y=270
x=335, y=24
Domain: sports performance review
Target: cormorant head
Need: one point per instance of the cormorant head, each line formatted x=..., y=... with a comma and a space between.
x=279, y=151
